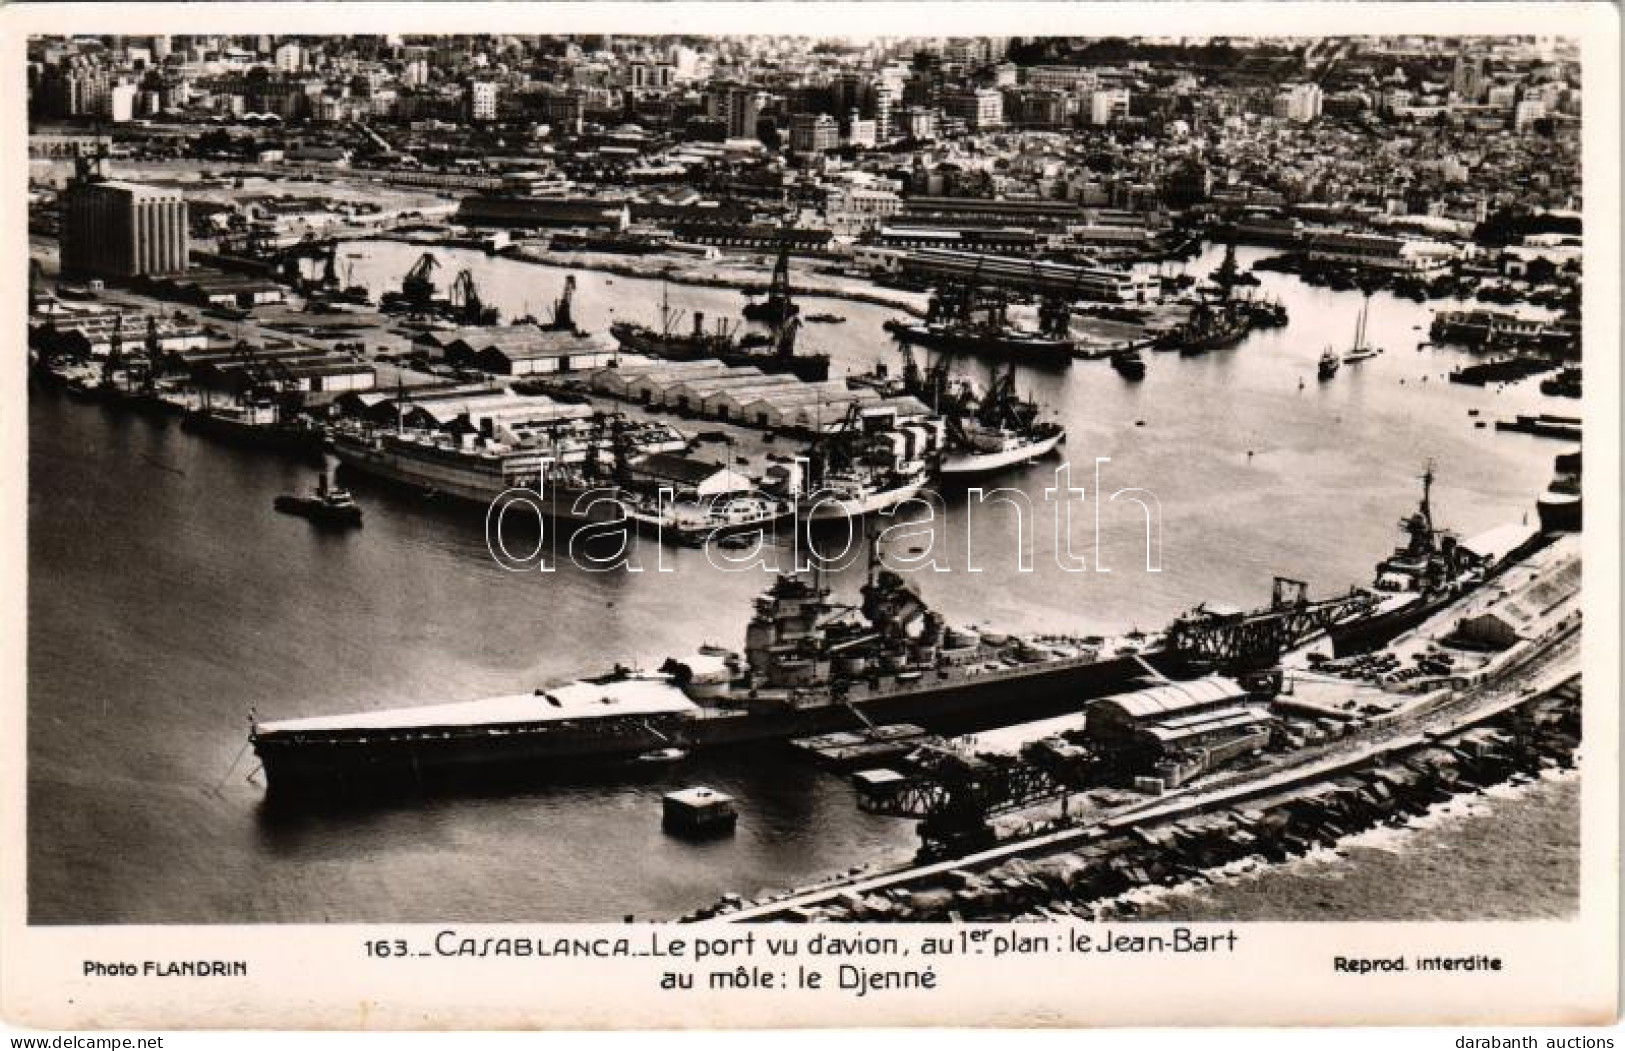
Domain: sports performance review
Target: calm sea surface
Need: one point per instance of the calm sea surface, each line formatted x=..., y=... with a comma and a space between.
x=167, y=600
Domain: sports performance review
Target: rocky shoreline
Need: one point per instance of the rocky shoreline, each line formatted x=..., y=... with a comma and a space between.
x=1097, y=881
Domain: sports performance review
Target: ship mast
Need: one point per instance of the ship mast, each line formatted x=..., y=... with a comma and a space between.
x=1426, y=509
x=871, y=535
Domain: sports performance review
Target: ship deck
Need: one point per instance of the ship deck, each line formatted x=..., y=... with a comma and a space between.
x=576, y=701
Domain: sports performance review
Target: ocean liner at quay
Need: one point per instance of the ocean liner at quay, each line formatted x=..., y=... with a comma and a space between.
x=811, y=665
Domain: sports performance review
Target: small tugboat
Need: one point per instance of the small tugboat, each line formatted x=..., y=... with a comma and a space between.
x=328, y=506
x=661, y=757
x=1329, y=364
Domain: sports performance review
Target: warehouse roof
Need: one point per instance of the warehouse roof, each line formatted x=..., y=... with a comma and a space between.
x=673, y=468
x=1159, y=701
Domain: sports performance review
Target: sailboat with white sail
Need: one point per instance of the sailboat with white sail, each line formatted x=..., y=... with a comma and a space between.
x=1362, y=348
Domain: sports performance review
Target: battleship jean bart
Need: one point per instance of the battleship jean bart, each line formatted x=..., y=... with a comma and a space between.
x=909, y=539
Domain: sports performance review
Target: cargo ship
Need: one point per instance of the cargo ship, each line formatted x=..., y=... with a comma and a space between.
x=471, y=470
x=810, y=665
x=972, y=320
x=256, y=422
x=986, y=432
x=1004, y=343
x=1501, y=370
x=1208, y=327
x=580, y=479
x=772, y=354
x=862, y=466
x=693, y=520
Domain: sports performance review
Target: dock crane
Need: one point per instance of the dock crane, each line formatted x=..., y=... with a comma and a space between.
x=330, y=273
x=155, y=354
x=1055, y=309
x=467, y=308
x=778, y=307
x=417, y=287
x=563, y=319
x=1250, y=641
x=955, y=793
x=115, y=351
x=784, y=337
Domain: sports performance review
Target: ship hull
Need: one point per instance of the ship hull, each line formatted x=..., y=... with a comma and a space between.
x=966, y=465
x=770, y=311
x=813, y=368
x=1129, y=368
x=955, y=706
x=1559, y=512
x=319, y=512
x=1216, y=341
x=1034, y=351
x=1364, y=634
x=672, y=348
x=303, y=766
x=300, y=766
x=696, y=534
x=304, y=442
x=833, y=509
x=390, y=467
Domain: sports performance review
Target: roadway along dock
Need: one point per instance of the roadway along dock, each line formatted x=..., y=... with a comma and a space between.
x=1544, y=674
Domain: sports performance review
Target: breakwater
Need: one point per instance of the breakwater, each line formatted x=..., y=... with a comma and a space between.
x=1090, y=880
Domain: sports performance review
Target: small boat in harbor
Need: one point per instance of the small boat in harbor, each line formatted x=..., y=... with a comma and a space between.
x=1362, y=348
x=1128, y=363
x=1329, y=364
x=827, y=319
x=328, y=506
x=661, y=756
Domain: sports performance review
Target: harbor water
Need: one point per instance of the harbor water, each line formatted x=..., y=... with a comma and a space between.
x=168, y=603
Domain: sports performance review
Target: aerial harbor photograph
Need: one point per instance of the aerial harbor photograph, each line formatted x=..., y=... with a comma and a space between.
x=747, y=478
